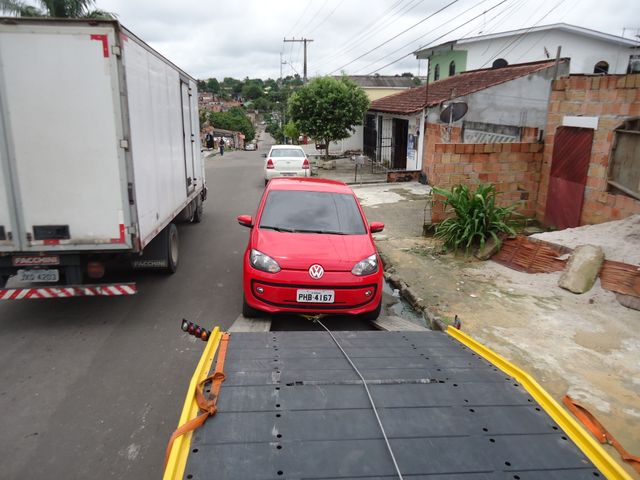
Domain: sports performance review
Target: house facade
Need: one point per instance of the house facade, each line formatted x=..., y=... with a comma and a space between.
x=496, y=105
x=590, y=51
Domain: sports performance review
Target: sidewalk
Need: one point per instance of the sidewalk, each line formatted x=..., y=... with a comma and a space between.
x=345, y=171
x=585, y=345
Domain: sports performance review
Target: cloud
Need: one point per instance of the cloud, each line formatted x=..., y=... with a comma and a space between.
x=245, y=38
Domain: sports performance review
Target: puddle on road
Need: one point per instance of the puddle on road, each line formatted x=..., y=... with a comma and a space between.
x=394, y=305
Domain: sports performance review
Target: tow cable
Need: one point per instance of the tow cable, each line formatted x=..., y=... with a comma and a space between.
x=316, y=319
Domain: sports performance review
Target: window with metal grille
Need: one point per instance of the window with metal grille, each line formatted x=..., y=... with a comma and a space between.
x=436, y=72
x=452, y=68
x=624, y=164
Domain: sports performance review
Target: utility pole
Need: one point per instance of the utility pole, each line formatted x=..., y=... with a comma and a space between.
x=305, y=41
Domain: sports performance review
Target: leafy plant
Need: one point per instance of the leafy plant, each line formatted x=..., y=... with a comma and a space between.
x=477, y=217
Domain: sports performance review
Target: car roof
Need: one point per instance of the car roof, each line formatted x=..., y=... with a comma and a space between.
x=293, y=147
x=309, y=184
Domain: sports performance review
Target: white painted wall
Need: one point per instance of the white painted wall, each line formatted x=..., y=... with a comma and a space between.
x=584, y=52
x=522, y=102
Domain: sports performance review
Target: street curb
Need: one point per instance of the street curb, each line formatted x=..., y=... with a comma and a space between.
x=410, y=295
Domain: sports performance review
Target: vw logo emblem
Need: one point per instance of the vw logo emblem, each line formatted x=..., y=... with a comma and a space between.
x=316, y=271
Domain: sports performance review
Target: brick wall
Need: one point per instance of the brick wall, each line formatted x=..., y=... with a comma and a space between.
x=611, y=98
x=514, y=168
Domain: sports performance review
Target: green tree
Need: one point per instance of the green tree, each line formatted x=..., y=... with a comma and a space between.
x=212, y=85
x=291, y=130
x=251, y=90
x=55, y=8
x=327, y=109
x=235, y=119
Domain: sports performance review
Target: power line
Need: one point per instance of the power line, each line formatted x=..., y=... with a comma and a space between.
x=546, y=33
x=396, y=36
x=301, y=31
x=373, y=32
x=443, y=35
x=364, y=30
x=295, y=24
x=422, y=36
x=303, y=41
x=327, y=17
x=522, y=35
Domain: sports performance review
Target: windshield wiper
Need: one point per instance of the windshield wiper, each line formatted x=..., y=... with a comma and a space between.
x=326, y=232
x=278, y=229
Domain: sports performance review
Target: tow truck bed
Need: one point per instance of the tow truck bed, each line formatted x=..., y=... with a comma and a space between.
x=292, y=407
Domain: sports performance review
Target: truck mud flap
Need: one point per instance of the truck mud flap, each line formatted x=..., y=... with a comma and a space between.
x=110, y=290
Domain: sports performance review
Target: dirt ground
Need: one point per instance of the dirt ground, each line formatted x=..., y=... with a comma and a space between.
x=585, y=345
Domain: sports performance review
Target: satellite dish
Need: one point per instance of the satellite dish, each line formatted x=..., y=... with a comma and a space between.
x=454, y=112
x=499, y=63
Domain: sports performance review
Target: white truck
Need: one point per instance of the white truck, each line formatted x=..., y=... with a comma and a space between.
x=99, y=157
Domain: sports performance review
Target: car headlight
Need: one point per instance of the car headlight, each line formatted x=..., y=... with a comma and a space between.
x=366, y=266
x=263, y=262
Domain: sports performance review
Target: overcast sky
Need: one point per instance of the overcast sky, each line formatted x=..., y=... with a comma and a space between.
x=244, y=38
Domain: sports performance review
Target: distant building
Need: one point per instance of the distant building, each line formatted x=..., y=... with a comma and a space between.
x=379, y=86
x=590, y=51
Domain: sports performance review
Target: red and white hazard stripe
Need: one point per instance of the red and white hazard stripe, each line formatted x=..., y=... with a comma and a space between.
x=111, y=290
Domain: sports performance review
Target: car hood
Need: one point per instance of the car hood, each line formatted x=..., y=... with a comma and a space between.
x=298, y=251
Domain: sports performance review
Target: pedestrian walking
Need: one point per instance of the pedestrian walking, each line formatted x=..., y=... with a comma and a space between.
x=221, y=146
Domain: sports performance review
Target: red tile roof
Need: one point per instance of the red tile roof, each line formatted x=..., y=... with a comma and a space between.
x=415, y=99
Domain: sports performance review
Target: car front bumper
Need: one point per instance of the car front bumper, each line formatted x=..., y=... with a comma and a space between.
x=277, y=293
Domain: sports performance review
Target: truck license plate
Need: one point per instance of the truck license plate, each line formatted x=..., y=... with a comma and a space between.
x=315, y=296
x=38, y=275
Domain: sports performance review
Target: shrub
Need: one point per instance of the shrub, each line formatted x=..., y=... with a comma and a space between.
x=477, y=217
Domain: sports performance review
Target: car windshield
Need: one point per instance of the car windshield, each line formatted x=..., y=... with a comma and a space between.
x=312, y=212
x=286, y=152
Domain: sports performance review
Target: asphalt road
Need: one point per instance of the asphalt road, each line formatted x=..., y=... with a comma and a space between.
x=93, y=387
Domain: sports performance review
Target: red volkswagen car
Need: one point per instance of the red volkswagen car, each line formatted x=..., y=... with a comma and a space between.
x=310, y=251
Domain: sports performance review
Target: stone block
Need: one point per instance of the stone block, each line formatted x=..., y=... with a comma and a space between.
x=582, y=269
x=328, y=165
x=490, y=248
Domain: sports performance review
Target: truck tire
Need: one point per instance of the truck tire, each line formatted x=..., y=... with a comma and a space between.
x=197, y=211
x=171, y=232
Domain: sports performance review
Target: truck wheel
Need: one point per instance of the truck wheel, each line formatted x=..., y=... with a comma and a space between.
x=198, y=208
x=172, y=248
x=248, y=311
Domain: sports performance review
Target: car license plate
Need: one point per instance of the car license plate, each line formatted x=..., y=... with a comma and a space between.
x=315, y=296
x=38, y=275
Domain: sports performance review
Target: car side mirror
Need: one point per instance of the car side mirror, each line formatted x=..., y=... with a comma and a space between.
x=264, y=155
x=245, y=220
x=375, y=227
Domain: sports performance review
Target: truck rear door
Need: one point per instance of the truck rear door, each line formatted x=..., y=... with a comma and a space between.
x=7, y=222
x=62, y=116
x=188, y=136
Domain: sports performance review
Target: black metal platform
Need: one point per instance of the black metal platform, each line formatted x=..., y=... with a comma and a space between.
x=292, y=407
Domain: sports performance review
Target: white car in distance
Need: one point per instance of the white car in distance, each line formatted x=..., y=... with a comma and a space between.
x=286, y=161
